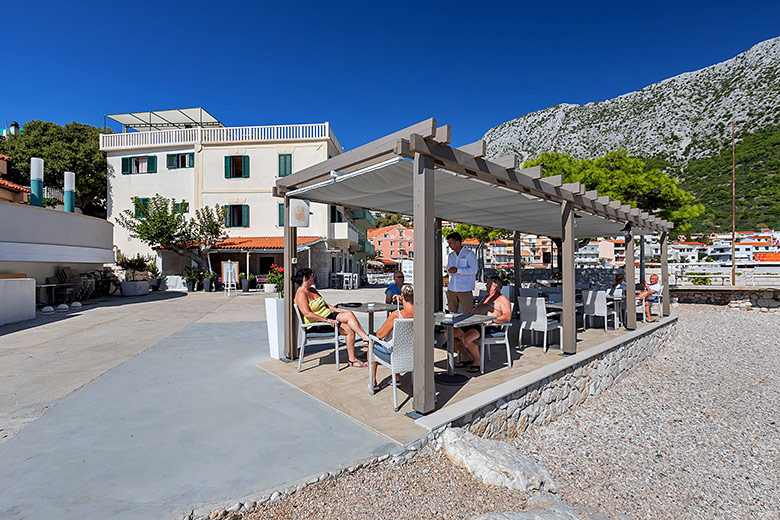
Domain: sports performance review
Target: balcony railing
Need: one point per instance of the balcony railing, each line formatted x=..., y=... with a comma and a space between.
x=230, y=135
x=345, y=231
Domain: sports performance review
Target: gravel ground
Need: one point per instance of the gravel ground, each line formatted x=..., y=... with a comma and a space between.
x=692, y=434
x=429, y=487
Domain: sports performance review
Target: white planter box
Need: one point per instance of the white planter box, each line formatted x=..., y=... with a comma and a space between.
x=135, y=288
x=274, y=317
x=269, y=288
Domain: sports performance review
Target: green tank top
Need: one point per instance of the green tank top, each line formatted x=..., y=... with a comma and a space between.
x=318, y=307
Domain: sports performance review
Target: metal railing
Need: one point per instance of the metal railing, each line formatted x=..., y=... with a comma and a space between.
x=226, y=135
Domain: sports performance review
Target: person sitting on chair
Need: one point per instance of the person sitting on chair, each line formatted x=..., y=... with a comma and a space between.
x=467, y=338
x=314, y=309
x=393, y=291
x=385, y=332
x=620, y=282
x=650, y=294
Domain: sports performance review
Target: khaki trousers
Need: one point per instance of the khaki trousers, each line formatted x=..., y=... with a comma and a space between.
x=465, y=299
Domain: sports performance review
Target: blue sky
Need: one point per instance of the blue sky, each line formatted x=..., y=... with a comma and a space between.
x=369, y=68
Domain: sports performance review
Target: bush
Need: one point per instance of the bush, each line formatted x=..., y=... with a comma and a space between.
x=139, y=264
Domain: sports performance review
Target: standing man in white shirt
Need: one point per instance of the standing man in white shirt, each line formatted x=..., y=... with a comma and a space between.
x=462, y=267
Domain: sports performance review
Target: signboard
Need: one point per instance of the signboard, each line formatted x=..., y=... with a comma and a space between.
x=229, y=272
x=299, y=213
x=407, y=267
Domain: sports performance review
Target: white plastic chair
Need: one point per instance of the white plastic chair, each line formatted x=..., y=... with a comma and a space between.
x=595, y=304
x=617, y=293
x=499, y=337
x=401, y=357
x=306, y=336
x=657, y=298
x=534, y=317
x=526, y=292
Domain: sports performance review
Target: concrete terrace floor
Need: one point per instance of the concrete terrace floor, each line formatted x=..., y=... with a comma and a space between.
x=149, y=407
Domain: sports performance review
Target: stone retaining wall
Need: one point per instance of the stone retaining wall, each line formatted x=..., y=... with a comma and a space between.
x=760, y=298
x=542, y=402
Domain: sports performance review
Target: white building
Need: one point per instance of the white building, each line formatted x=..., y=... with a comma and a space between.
x=189, y=155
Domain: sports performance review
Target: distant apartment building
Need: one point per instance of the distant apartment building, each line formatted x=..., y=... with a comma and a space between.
x=190, y=156
x=685, y=252
x=595, y=254
x=394, y=242
x=10, y=191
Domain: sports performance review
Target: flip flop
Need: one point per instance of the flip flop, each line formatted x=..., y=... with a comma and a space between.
x=357, y=363
x=473, y=369
x=464, y=364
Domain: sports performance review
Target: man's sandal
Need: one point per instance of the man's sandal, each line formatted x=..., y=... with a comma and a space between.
x=465, y=363
x=357, y=363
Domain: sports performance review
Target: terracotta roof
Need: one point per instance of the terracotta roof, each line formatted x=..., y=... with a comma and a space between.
x=4, y=157
x=754, y=243
x=386, y=261
x=688, y=244
x=259, y=242
x=8, y=185
x=470, y=242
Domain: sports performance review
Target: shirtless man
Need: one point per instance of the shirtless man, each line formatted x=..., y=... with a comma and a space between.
x=467, y=338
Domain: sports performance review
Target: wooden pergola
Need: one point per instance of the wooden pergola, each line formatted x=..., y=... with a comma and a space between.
x=415, y=171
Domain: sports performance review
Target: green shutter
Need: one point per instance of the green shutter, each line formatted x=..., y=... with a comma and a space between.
x=281, y=214
x=191, y=160
x=151, y=164
x=185, y=207
x=227, y=166
x=125, y=165
x=245, y=166
x=245, y=215
x=285, y=164
x=173, y=161
x=141, y=206
x=227, y=215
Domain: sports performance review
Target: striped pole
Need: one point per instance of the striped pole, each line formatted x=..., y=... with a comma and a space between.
x=70, y=192
x=36, y=181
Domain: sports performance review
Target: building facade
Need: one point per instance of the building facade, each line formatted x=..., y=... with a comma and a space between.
x=202, y=163
x=394, y=242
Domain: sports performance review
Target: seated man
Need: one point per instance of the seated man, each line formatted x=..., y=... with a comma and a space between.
x=650, y=293
x=467, y=338
x=393, y=291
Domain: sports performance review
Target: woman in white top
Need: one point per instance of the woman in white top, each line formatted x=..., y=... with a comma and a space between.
x=385, y=332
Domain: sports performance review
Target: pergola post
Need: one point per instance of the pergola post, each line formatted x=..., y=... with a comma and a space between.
x=665, y=307
x=630, y=282
x=290, y=246
x=424, y=281
x=568, y=318
x=517, y=260
x=438, y=295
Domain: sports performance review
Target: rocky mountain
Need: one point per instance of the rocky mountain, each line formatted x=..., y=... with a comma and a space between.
x=681, y=118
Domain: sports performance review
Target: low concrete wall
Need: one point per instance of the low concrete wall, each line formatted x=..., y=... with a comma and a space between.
x=541, y=396
x=18, y=300
x=746, y=298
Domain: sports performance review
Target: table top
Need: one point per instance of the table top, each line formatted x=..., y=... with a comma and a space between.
x=559, y=306
x=461, y=319
x=46, y=285
x=363, y=307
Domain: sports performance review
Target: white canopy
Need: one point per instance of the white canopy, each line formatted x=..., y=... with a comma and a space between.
x=166, y=119
x=387, y=186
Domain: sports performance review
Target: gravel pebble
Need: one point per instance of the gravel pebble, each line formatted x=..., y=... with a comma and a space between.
x=691, y=434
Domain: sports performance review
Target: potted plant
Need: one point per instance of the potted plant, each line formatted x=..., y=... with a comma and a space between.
x=252, y=281
x=274, y=311
x=244, y=282
x=154, y=275
x=208, y=281
x=136, y=274
x=191, y=276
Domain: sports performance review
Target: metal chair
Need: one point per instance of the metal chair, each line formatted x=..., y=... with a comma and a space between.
x=499, y=337
x=307, y=336
x=534, y=317
x=595, y=304
x=401, y=357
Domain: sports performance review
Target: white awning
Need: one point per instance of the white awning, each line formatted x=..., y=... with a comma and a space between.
x=387, y=187
x=167, y=119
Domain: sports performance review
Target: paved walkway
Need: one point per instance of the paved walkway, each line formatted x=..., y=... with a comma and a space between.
x=188, y=422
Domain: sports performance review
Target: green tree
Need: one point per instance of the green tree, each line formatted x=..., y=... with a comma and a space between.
x=627, y=179
x=391, y=219
x=74, y=147
x=159, y=224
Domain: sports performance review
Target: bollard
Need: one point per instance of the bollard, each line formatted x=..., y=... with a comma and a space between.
x=36, y=181
x=70, y=192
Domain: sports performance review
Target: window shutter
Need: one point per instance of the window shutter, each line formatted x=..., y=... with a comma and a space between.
x=245, y=166
x=191, y=160
x=285, y=164
x=185, y=207
x=227, y=167
x=281, y=214
x=172, y=161
x=227, y=215
x=245, y=215
x=151, y=164
x=125, y=165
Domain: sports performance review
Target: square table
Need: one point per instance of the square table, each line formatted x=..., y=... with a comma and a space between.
x=457, y=320
x=364, y=307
